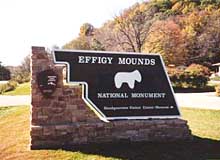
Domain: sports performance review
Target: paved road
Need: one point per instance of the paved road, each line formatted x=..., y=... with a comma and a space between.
x=206, y=100
x=14, y=100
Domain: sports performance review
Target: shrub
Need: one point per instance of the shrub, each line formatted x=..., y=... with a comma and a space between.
x=197, y=69
x=194, y=76
x=2, y=88
x=11, y=85
x=216, y=78
x=21, y=78
x=217, y=90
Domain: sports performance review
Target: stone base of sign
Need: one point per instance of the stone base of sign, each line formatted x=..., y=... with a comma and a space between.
x=70, y=135
x=64, y=120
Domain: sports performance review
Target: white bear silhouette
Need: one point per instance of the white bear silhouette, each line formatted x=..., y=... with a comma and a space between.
x=127, y=77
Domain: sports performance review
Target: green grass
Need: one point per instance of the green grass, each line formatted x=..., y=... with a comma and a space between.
x=14, y=141
x=6, y=110
x=203, y=123
x=22, y=89
x=217, y=78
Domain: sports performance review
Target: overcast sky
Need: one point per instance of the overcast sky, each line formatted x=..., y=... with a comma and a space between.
x=24, y=23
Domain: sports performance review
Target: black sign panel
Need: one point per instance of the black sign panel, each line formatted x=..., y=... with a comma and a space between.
x=47, y=82
x=121, y=85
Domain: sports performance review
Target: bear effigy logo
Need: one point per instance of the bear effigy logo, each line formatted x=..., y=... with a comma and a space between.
x=128, y=78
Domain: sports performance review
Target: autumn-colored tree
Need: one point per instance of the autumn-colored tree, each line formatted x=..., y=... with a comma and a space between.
x=96, y=45
x=25, y=66
x=82, y=42
x=132, y=27
x=208, y=41
x=86, y=30
x=193, y=27
x=167, y=39
x=203, y=36
x=182, y=31
x=21, y=73
x=106, y=35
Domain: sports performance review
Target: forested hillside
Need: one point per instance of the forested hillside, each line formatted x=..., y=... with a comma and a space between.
x=182, y=31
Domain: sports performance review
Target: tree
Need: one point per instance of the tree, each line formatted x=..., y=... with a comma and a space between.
x=183, y=32
x=82, y=42
x=96, y=45
x=166, y=38
x=208, y=41
x=132, y=27
x=4, y=73
x=22, y=72
x=106, y=35
x=86, y=30
x=203, y=36
x=25, y=65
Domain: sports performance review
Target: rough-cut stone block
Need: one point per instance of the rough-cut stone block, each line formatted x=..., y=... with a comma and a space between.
x=36, y=130
x=49, y=130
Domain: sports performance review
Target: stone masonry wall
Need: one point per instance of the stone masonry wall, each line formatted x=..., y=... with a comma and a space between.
x=65, y=120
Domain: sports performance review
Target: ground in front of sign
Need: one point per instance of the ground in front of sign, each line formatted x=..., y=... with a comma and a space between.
x=15, y=122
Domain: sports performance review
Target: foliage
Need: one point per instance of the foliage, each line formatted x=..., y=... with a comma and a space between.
x=106, y=36
x=197, y=69
x=21, y=77
x=132, y=27
x=4, y=73
x=203, y=36
x=80, y=43
x=25, y=65
x=183, y=32
x=216, y=78
x=9, y=86
x=194, y=76
x=85, y=40
x=217, y=90
x=21, y=89
x=97, y=45
x=166, y=38
x=86, y=30
x=22, y=72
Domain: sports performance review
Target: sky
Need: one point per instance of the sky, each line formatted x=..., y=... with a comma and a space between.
x=26, y=23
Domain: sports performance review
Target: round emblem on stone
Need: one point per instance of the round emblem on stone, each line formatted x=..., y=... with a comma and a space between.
x=47, y=82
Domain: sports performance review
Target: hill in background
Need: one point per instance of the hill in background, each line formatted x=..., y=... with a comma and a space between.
x=182, y=31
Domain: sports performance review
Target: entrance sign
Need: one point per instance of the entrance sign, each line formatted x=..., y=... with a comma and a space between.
x=121, y=85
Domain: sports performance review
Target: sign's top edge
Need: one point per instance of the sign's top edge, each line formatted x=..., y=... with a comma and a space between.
x=105, y=52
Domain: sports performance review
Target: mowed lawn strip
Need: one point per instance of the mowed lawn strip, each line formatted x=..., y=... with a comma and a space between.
x=203, y=123
x=22, y=89
x=14, y=141
x=15, y=134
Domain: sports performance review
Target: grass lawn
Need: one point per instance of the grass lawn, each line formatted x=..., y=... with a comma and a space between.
x=22, y=89
x=205, y=125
